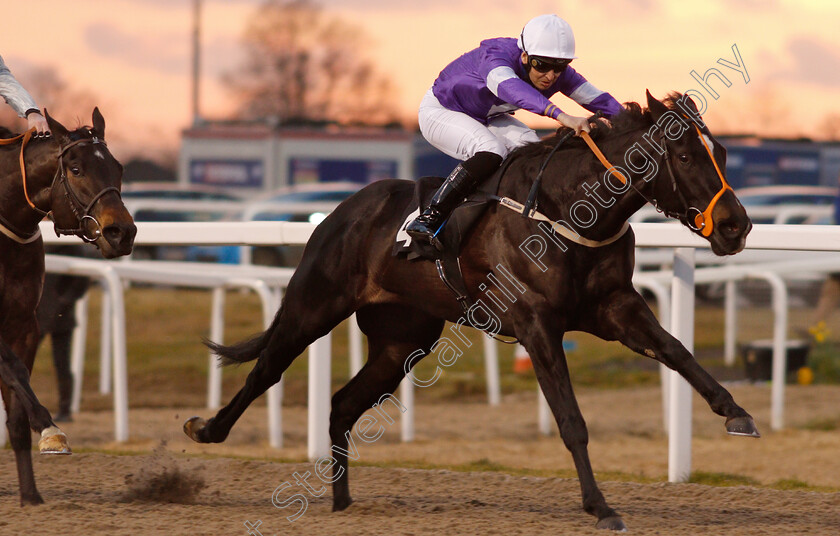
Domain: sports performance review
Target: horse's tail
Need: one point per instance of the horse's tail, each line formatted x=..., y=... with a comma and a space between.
x=241, y=352
x=247, y=350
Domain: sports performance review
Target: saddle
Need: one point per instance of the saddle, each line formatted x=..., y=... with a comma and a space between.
x=456, y=228
x=452, y=234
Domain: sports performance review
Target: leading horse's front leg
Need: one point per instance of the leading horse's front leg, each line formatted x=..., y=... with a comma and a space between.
x=15, y=375
x=24, y=410
x=627, y=318
x=544, y=341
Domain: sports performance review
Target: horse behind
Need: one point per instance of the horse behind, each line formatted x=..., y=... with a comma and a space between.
x=532, y=283
x=72, y=177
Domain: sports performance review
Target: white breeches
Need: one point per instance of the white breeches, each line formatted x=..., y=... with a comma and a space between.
x=460, y=136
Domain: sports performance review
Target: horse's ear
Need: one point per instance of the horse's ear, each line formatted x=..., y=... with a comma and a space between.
x=656, y=107
x=61, y=134
x=98, y=122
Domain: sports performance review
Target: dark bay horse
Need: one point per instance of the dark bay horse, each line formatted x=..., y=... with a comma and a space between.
x=73, y=178
x=544, y=284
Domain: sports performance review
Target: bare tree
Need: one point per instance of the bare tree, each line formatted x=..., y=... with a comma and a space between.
x=303, y=64
x=830, y=127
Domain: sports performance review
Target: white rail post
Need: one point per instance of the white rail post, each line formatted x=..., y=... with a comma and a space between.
x=407, y=418
x=2, y=424
x=544, y=415
x=275, y=415
x=270, y=299
x=663, y=304
x=779, y=371
x=105, y=343
x=217, y=329
x=682, y=327
x=319, y=397
x=491, y=365
x=731, y=323
x=114, y=296
x=77, y=355
x=355, y=343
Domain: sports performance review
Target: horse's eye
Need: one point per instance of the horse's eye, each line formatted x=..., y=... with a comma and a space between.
x=683, y=158
x=75, y=170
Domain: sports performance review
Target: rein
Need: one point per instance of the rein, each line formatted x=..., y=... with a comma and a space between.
x=6, y=227
x=534, y=214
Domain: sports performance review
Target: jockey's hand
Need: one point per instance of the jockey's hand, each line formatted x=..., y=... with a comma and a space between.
x=574, y=122
x=37, y=121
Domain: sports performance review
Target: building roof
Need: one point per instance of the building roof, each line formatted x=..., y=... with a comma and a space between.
x=261, y=130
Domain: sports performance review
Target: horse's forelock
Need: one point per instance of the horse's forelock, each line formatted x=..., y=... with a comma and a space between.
x=672, y=99
x=81, y=132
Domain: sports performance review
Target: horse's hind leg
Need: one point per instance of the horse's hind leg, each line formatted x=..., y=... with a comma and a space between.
x=629, y=320
x=394, y=333
x=303, y=318
x=543, y=339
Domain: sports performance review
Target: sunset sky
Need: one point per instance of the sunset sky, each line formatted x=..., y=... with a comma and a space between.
x=135, y=55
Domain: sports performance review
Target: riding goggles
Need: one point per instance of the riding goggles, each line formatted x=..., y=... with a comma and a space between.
x=543, y=65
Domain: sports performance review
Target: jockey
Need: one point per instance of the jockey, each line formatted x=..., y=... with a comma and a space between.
x=20, y=100
x=467, y=112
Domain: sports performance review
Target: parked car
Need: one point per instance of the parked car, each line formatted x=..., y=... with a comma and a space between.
x=764, y=203
x=176, y=190
x=321, y=198
x=786, y=195
x=301, y=203
x=171, y=202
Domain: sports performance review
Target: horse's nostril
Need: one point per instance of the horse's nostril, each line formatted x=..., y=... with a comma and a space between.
x=119, y=234
x=730, y=228
x=112, y=233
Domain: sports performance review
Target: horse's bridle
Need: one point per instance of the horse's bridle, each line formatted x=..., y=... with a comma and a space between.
x=81, y=210
x=702, y=219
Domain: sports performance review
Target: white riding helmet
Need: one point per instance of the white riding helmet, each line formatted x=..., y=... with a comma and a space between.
x=548, y=36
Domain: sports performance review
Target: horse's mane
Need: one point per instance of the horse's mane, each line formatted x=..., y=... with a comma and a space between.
x=6, y=133
x=631, y=118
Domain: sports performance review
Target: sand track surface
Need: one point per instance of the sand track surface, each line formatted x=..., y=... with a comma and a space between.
x=218, y=491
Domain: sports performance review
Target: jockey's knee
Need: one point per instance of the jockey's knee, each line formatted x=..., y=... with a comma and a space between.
x=483, y=163
x=494, y=146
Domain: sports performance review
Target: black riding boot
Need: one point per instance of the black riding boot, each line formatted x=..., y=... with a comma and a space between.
x=463, y=180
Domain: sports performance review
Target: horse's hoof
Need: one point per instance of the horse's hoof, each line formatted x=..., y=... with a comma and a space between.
x=742, y=426
x=193, y=426
x=341, y=504
x=32, y=500
x=611, y=523
x=53, y=441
